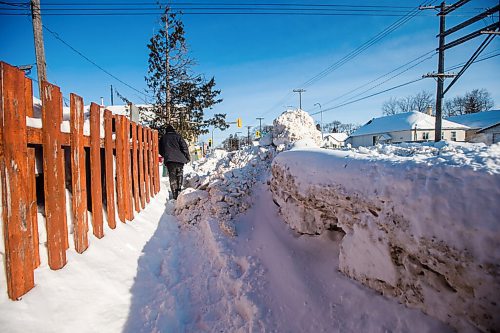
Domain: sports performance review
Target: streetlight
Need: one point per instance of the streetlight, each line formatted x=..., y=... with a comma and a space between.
x=321, y=122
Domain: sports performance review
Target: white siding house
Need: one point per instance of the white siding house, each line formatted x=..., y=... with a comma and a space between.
x=484, y=126
x=334, y=140
x=404, y=127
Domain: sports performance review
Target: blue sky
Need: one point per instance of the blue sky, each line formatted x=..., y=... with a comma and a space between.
x=257, y=60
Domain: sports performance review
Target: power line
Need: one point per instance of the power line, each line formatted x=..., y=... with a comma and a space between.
x=374, y=94
x=360, y=49
x=372, y=41
x=93, y=63
x=212, y=13
x=392, y=88
x=428, y=56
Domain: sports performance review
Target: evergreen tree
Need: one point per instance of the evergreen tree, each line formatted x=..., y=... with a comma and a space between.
x=180, y=96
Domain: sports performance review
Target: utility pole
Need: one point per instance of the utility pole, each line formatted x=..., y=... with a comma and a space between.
x=300, y=91
x=167, y=69
x=238, y=139
x=489, y=31
x=440, y=73
x=41, y=66
x=260, y=124
x=112, y=95
x=248, y=135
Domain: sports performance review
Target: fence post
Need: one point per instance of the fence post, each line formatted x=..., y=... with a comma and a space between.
x=78, y=175
x=135, y=176
x=141, y=166
x=95, y=169
x=55, y=208
x=14, y=174
x=110, y=174
x=120, y=195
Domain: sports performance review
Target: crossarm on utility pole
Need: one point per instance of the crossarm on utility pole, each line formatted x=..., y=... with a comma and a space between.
x=472, y=20
x=472, y=35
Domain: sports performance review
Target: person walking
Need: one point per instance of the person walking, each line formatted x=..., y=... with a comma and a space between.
x=175, y=153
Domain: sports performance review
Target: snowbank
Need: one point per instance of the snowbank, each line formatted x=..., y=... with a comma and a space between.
x=219, y=187
x=421, y=221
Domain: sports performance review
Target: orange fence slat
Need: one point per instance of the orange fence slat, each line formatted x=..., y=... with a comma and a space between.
x=14, y=174
x=146, y=164
x=156, y=164
x=129, y=204
x=141, y=166
x=120, y=195
x=78, y=175
x=54, y=187
x=152, y=163
x=110, y=175
x=95, y=170
x=135, y=176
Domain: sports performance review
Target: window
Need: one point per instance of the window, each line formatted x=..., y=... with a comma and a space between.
x=453, y=136
x=425, y=136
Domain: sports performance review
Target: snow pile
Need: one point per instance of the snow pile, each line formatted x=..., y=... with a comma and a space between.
x=219, y=187
x=293, y=126
x=421, y=222
x=479, y=157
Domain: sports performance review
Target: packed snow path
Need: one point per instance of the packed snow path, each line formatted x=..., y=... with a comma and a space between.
x=184, y=284
x=268, y=279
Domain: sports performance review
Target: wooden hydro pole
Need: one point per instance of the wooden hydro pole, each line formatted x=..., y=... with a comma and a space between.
x=490, y=31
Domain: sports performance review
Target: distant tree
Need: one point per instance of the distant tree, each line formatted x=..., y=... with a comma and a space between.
x=418, y=102
x=170, y=70
x=421, y=101
x=477, y=100
x=390, y=107
x=339, y=127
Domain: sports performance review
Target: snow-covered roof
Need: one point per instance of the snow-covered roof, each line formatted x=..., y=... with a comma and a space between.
x=478, y=120
x=402, y=122
x=124, y=109
x=340, y=137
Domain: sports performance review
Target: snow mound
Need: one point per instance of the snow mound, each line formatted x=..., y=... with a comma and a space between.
x=294, y=125
x=219, y=187
x=420, y=221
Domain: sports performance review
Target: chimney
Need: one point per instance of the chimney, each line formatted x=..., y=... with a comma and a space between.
x=102, y=101
x=429, y=110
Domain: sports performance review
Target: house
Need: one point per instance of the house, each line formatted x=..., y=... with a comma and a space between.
x=334, y=140
x=404, y=127
x=484, y=126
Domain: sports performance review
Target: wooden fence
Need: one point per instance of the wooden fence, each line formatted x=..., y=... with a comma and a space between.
x=135, y=178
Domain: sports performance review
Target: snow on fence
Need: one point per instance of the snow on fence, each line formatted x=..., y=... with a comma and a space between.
x=137, y=178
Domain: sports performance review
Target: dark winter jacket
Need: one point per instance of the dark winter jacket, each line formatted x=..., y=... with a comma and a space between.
x=173, y=147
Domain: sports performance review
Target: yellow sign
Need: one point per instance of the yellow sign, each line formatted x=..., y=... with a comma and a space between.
x=257, y=134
